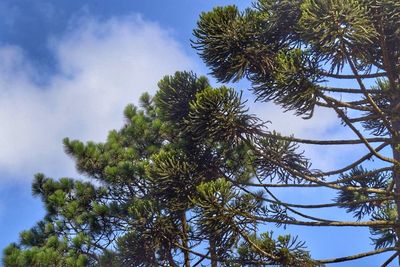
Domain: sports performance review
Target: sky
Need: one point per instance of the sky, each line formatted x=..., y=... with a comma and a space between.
x=69, y=67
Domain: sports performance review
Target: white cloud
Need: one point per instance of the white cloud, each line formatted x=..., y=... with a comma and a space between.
x=104, y=66
x=323, y=125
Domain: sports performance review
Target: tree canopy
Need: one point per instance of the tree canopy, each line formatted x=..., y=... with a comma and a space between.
x=167, y=189
x=292, y=52
x=189, y=178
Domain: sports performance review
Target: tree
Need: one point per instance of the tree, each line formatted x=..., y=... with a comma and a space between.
x=290, y=51
x=169, y=190
x=189, y=178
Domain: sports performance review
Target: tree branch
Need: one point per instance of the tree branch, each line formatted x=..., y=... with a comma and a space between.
x=352, y=76
x=358, y=256
x=384, y=224
x=326, y=142
x=358, y=133
x=354, y=164
x=349, y=90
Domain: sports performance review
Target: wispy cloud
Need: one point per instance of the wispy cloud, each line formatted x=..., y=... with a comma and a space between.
x=104, y=65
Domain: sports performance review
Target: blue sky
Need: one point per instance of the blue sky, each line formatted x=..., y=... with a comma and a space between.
x=68, y=68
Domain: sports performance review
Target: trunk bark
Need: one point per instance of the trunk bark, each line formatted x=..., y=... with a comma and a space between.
x=185, y=240
x=213, y=252
x=171, y=259
x=396, y=170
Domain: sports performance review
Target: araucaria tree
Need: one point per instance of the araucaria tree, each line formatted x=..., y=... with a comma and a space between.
x=290, y=50
x=189, y=179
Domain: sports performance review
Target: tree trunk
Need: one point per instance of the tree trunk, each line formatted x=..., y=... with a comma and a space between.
x=170, y=259
x=213, y=252
x=396, y=170
x=185, y=240
x=153, y=262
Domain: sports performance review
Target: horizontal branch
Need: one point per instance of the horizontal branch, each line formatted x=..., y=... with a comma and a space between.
x=275, y=201
x=291, y=208
x=327, y=142
x=361, y=176
x=352, y=76
x=338, y=181
x=314, y=179
x=343, y=116
x=329, y=205
x=338, y=187
x=358, y=256
x=352, y=165
x=281, y=185
x=364, y=118
x=385, y=224
x=338, y=103
x=349, y=90
x=344, y=105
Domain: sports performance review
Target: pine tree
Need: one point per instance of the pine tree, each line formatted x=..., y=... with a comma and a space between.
x=290, y=50
x=169, y=190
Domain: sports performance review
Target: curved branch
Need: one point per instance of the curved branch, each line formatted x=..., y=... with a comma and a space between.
x=384, y=224
x=315, y=179
x=354, y=164
x=349, y=90
x=357, y=132
x=277, y=201
x=326, y=142
x=358, y=256
x=364, y=118
x=344, y=105
x=352, y=76
x=376, y=108
x=357, y=177
x=290, y=207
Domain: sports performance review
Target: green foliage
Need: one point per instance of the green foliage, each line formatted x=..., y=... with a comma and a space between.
x=167, y=182
x=219, y=114
x=375, y=180
x=286, y=250
x=179, y=182
x=227, y=46
x=336, y=29
x=173, y=178
x=283, y=46
x=54, y=252
x=384, y=237
x=292, y=52
x=277, y=157
x=259, y=46
x=175, y=94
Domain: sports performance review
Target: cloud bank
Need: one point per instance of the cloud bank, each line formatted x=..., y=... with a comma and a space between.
x=104, y=65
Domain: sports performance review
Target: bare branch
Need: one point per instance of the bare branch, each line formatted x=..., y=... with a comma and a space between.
x=391, y=258
x=343, y=104
x=354, y=164
x=326, y=142
x=364, y=118
x=357, y=132
x=376, y=108
x=358, y=256
x=384, y=224
x=351, y=76
x=349, y=90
